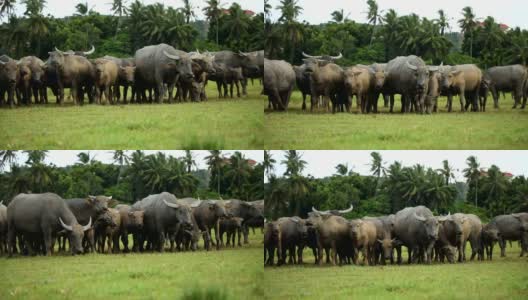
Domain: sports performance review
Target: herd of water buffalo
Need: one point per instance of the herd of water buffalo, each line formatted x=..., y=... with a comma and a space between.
x=39, y=221
x=158, y=69
x=418, y=84
x=427, y=237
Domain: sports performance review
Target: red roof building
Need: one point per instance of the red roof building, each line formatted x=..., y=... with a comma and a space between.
x=502, y=26
x=247, y=12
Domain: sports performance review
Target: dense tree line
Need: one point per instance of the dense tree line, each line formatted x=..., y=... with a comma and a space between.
x=386, y=35
x=390, y=188
x=133, y=175
x=132, y=26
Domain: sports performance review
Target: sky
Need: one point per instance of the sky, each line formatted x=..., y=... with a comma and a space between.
x=321, y=163
x=61, y=8
x=63, y=158
x=510, y=12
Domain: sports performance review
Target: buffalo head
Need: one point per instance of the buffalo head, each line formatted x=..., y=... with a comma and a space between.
x=75, y=233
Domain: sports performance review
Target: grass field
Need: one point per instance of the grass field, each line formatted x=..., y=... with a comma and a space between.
x=502, y=278
x=236, y=273
x=216, y=124
x=495, y=129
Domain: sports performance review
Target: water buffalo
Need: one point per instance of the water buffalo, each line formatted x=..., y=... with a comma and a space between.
x=471, y=231
x=3, y=228
x=279, y=80
x=72, y=71
x=332, y=233
x=186, y=239
x=417, y=229
x=303, y=84
x=359, y=81
x=327, y=80
x=464, y=80
x=408, y=76
x=43, y=215
x=163, y=215
x=37, y=86
x=386, y=242
x=8, y=79
x=379, y=75
x=271, y=242
x=106, y=79
x=232, y=227
x=293, y=235
x=23, y=86
x=449, y=236
x=507, y=79
x=131, y=222
x=88, y=208
x=250, y=63
x=111, y=233
x=364, y=236
x=507, y=228
x=257, y=222
x=158, y=65
x=125, y=76
x=433, y=91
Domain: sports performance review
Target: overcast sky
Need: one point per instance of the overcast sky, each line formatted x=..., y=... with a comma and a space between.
x=511, y=12
x=63, y=158
x=61, y=8
x=322, y=163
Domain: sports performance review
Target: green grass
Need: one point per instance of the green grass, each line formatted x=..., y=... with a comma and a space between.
x=495, y=129
x=216, y=124
x=502, y=278
x=235, y=273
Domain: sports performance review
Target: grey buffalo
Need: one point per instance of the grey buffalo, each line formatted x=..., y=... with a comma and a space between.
x=506, y=79
x=293, y=234
x=37, y=87
x=3, y=228
x=417, y=229
x=8, y=79
x=279, y=81
x=507, y=228
x=42, y=216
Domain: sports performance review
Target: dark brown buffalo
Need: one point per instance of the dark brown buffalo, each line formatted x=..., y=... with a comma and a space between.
x=131, y=222
x=8, y=79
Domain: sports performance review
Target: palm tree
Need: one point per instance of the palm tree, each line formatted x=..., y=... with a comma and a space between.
x=82, y=9
x=239, y=170
x=376, y=167
x=409, y=35
x=433, y=44
x=237, y=23
x=121, y=158
x=84, y=157
x=446, y=171
x=189, y=161
x=442, y=21
x=179, y=181
x=438, y=195
x=390, y=33
x=339, y=16
x=7, y=8
x=7, y=157
x=472, y=173
x=267, y=9
x=518, y=52
x=268, y=162
x=491, y=35
x=294, y=163
x=35, y=156
x=215, y=161
x=119, y=8
x=374, y=17
x=188, y=10
x=178, y=32
x=467, y=24
x=18, y=180
x=292, y=30
x=213, y=12
x=342, y=169
x=496, y=185
x=37, y=24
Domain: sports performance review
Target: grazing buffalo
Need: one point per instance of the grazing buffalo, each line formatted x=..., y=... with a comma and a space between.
x=131, y=222
x=449, y=236
x=279, y=80
x=158, y=65
x=506, y=79
x=464, y=80
x=42, y=216
x=364, y=237
x=164, y=215
x=72, y=71
x=417, y=229
x=3, y=228
x=8, y=79
x=408, y=76
x=271, y=242
x=327, y=80
x=37, y=85
x=293, y=235
x=106, y=79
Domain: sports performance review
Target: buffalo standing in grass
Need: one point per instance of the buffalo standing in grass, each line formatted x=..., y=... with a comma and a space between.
x=504, y=228
x=42, y=216
x=464, y=80
x=293, y=235
x=506, y=79
x=131, y=222
x=279, y=80
x=417, y=229
x=449, y=238
x=3, y=228
x=272, y=242
x=125, y=76
x=364, y=237
x=471, y=231
x=37, y=87
x=8, y=79
x=106, y=80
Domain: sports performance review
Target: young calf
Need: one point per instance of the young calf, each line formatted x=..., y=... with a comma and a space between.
x=106, y=79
